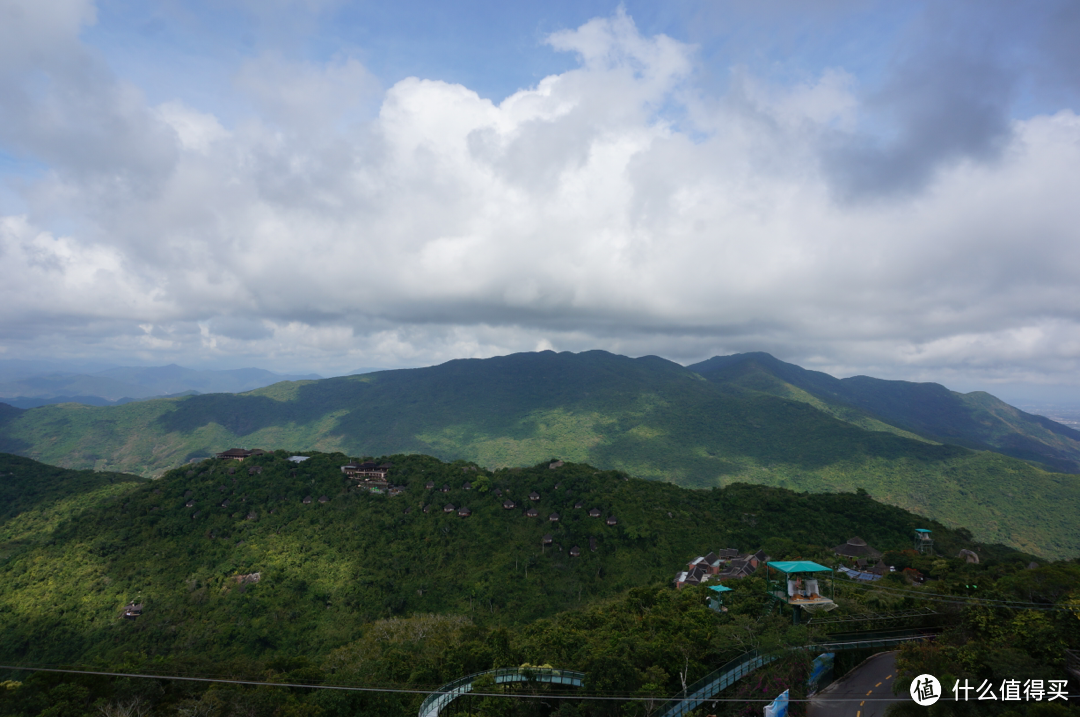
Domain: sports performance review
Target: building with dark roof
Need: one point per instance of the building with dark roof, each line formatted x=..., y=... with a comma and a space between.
x=856, y=548
x=239, y=454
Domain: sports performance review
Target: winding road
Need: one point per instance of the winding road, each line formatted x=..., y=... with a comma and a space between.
x=864, y=692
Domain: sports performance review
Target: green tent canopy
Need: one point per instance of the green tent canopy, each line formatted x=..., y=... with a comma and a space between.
x=719, y=588
x=798, y=566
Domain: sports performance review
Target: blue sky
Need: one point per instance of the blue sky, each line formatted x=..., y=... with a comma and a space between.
x=310, y=185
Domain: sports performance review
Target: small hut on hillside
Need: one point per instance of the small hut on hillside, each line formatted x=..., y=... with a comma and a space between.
x=856, y=548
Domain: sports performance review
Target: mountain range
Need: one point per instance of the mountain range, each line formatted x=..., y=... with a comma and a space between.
x=23, y=387
x=964, y=459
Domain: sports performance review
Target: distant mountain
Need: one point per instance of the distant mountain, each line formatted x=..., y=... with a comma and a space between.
x=17, y=369
x=25, y=402
x=648, y=416
x=975, y=420
x=126, y=383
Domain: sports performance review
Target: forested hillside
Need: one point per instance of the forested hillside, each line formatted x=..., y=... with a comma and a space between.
x=649, y=417
x=369, y=589
x=976, y=420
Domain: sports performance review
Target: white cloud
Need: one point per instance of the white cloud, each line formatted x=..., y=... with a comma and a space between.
x=613, y=205
x=197, y=131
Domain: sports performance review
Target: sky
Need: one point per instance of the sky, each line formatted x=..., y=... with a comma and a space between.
x=874, y=188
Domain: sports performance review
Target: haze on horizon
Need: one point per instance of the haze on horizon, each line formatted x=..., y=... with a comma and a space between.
x=320, y=185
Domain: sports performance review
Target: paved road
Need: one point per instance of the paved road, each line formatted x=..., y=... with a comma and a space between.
x=858, y=694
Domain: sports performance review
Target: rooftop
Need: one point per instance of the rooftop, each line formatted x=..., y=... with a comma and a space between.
x=799, y=566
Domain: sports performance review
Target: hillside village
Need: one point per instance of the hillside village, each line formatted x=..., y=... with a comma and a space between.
x=863, y=561
x=729, y=564
x=375, y=477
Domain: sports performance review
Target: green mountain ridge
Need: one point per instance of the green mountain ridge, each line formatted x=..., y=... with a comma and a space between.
x=974, y=420
x=648, y=416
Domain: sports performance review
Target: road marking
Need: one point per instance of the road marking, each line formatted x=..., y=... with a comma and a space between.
x=889, y=677
x=870, y=692
x=858, y=713
x=878, y=685
x=862, y=703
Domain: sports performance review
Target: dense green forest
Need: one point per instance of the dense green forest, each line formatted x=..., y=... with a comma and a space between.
x=366, y=589
x=649, y=417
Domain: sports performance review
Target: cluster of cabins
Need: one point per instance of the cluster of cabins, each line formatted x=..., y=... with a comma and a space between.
x=531, y=512
x=728, y=563
x=509, y=504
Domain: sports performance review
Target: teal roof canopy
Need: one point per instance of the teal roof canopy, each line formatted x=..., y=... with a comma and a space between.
x=720, y=588
x=921, y=530
x=798, y=566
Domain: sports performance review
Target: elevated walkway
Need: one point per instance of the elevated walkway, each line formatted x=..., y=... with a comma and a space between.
x=728, y=674
x=696, y=694
x=507, y=675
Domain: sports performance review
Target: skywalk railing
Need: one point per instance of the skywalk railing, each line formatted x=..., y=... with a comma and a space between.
x=505, y=675
x=731, y=672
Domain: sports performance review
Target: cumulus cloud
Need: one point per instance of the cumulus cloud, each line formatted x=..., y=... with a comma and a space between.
x=907, y=227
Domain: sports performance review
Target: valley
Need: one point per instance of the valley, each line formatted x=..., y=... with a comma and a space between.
x=950, y=457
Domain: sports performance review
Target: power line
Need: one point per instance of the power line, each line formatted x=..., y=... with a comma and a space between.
x=401, y=690
x=597, y=698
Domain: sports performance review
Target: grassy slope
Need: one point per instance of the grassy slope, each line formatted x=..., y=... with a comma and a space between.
x=329, y=569
x=647, y=416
